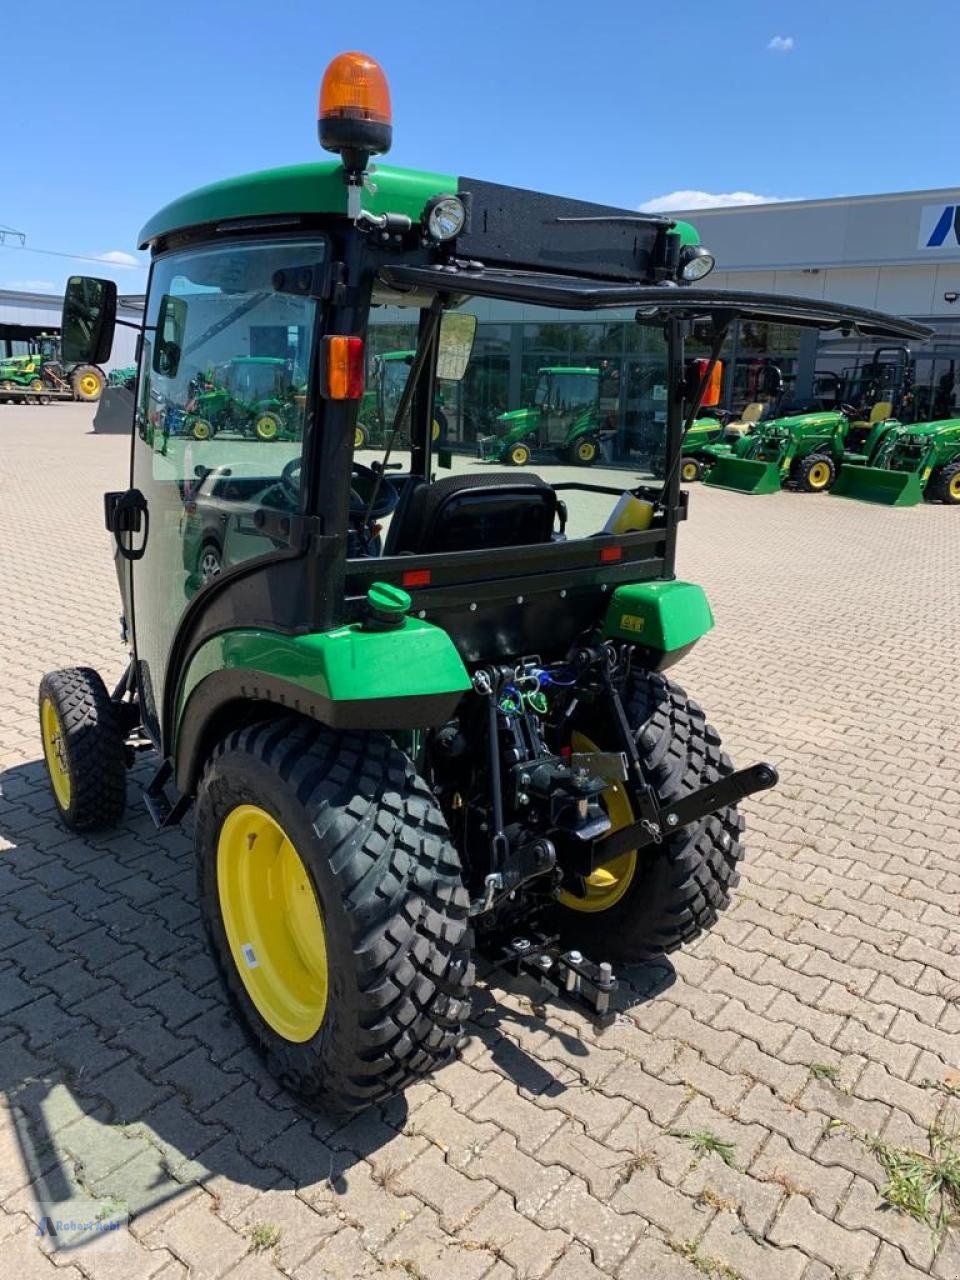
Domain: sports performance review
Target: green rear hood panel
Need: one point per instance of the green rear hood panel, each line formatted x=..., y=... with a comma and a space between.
x=347, y=677
x=299, y=188
x=659, y=615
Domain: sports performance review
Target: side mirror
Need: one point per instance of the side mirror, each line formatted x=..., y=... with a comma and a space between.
x=171, y=326
x=88, y=321
x=455, y=347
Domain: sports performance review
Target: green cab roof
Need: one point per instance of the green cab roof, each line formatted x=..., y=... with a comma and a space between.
x=296, y=189
x=316, y=188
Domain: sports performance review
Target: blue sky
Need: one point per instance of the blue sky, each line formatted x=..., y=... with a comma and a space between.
x=624, y=102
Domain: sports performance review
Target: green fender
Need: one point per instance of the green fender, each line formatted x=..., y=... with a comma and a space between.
x=408, y=677
x=668, y=617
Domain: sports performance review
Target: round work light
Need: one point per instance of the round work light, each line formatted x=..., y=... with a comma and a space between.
x=444, y=217
x=695, y=263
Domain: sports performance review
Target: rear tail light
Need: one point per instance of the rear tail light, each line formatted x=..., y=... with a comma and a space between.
x=610, y=554
x=415, y=578
x=343, y=367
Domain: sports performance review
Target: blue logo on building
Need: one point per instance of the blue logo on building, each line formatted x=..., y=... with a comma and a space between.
x=946, y=227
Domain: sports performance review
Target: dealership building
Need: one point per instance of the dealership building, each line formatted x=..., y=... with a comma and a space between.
x=898, y=253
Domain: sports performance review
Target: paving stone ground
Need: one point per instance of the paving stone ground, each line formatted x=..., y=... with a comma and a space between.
x=823, y=1012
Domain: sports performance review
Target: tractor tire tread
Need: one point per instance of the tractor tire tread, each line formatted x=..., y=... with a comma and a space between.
x=680, y=752
x=938, y=487
x=93, y=739
x=399, y=878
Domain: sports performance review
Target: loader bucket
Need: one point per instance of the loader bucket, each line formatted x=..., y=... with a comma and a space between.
x=877, y=484
x=744, y=475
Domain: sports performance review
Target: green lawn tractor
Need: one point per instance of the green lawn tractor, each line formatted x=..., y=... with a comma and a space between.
x=250, y=396
x=42, y=376
x=903, y=465
x=565, y=418
x=415, y=720
x=388, y=376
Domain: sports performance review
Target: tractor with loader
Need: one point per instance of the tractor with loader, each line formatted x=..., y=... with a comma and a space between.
x=903, y=464
x=251, y=396
x=42, y=376
x=417, y=717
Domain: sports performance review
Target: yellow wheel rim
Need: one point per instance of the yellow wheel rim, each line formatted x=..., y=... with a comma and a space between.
x=818, y=475
x=519, y=454
x=202, y=429
x=607, y=885
x=36, y=385
x=273, y=923
x=954, y=487
x=55, y=753
x=89, y=384
x=358, y=437
x=690, y=471
x=267, y=427
x=435, y=431
x=586, y=451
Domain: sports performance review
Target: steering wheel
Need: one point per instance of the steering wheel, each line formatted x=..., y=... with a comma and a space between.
x=363, y=480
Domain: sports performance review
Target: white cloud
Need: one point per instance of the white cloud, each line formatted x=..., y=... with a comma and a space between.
x=118, y=257
x=32, y=286
x=781, y=44
x=704, y=200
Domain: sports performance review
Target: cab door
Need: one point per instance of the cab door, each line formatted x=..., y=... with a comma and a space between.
x=202, y=483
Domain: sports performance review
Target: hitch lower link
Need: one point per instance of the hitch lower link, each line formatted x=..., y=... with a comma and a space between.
x=564, y=974
x=689, y=808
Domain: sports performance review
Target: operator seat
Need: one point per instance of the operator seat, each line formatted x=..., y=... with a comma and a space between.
x=472, y=513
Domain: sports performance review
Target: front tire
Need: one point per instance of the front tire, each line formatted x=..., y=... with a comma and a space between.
x=691, y=470
x=662, y=896
x=518, y=455
x=83, y=745
x=816, y=473
x=352, y=1009
x=944, y=485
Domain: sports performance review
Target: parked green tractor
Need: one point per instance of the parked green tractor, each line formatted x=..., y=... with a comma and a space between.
x=564, y=418
x=716, y=433
x=456, y=735
x=388, y=376
x=250, y=396
x=905, y=464
x=804, y=450
x=42, y=376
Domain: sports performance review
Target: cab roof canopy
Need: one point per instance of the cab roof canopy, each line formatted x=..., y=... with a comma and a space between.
x=505, y=225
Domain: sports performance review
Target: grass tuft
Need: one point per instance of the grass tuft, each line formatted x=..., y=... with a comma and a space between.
x=264, y=1235
x=925, y=1187
x=714, y=1268
x=705, y=1142
x=824, y=1071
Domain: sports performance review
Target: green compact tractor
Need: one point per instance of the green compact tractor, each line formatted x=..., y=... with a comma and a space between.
x=804, y=450
x=902, y=465
x=565, y=418
x=388, y=377
x=251, y=396
x=454, y=736
x=42, y=376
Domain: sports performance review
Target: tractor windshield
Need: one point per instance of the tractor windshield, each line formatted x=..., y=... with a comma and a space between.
x=550, y=389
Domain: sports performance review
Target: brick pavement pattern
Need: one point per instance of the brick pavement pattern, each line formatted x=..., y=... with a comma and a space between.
x=823, y=1011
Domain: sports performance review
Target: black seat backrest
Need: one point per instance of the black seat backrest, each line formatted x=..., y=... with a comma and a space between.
x=471, y=513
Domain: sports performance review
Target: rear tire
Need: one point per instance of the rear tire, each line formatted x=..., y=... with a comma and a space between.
x=83, y=744
x=583, y=452
x=944, y=485
x=816, y=473
x=518, y=455
x=388, y=886
x=677, y=889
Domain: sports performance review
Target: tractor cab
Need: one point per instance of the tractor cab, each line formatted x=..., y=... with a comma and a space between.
x=417, y=701
x=563, y=417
